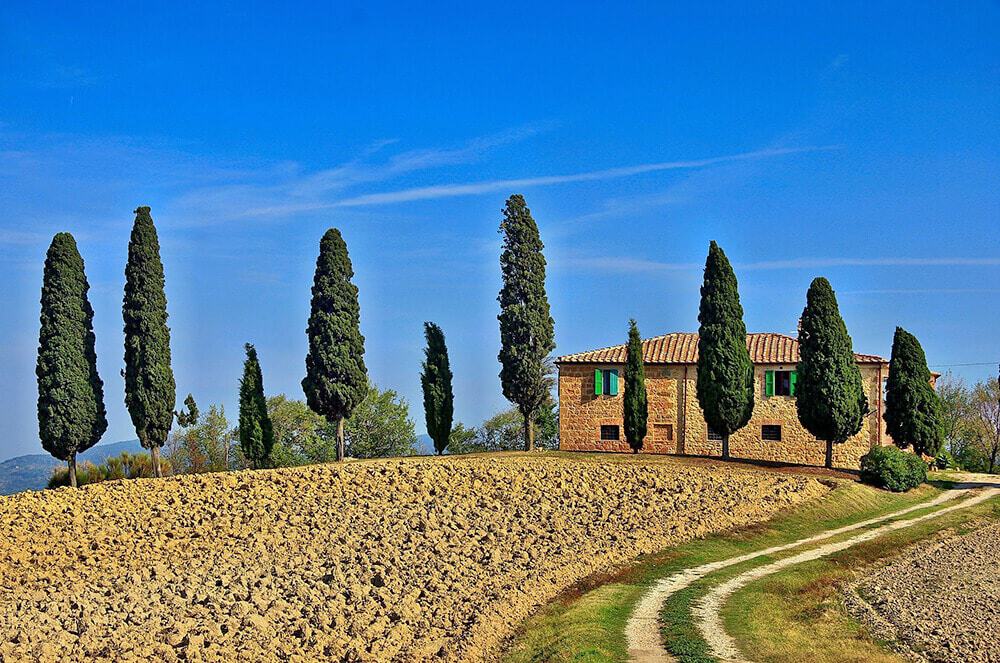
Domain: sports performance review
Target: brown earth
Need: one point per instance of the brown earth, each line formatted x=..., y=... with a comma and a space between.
x=940, y=599
x=379, y=560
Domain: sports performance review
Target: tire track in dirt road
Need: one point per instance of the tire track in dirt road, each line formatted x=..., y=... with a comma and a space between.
x=642, y=632
x=706, y=611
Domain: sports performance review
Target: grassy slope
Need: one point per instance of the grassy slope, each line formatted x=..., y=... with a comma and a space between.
x=798, y=614
x=589, y=625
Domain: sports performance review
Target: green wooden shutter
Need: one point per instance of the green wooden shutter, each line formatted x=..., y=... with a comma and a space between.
x=769, y=383
x=613, y=383
x=598, y=382
x=792, y=379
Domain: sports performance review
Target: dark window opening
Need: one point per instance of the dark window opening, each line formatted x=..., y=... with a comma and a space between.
x=771, y=433
x=609, y=432
x=713, y=436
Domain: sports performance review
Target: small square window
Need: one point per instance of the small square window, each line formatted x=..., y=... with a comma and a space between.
x=713, y=436
x=771, y=433
x=609, y=433
x=779, y=383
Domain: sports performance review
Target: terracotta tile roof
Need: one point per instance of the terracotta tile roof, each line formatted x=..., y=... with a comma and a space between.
x=682, y=348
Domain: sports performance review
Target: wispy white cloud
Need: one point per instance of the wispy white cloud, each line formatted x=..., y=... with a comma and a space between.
x=476, y=188
x=921, y=291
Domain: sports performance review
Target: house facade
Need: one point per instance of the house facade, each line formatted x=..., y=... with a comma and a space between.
x=591, y=386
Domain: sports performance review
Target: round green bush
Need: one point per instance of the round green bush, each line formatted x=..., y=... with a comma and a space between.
x=892, y=469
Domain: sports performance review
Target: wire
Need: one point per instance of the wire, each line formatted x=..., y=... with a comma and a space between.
x=985, y=363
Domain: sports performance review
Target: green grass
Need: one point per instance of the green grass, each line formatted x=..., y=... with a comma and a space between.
x=798, y=614
x=588, y=623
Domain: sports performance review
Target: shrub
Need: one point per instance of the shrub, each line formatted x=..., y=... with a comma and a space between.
x=945, y=461
x=892, y=469
x=123, y=466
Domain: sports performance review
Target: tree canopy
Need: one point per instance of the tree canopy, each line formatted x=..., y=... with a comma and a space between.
x=913, y=415
x=439, y=401
x=149, y=379
x=636, y=410
x=336, y=378
x=527, y=331
x=256, y=433
x=71, y=413
x=725, y=371
x=830, y=395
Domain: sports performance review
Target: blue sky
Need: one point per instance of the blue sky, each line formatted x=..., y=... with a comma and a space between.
x=857, y=141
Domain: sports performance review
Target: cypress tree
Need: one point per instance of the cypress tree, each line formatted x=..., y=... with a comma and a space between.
x=150, y=392
x=725, y=371
x=336, y=378
x=439, y=401
x=256, y=432
x=527, y=334
x=635, y=407
x=71, y=414
x=912, y=407
x=830, y=395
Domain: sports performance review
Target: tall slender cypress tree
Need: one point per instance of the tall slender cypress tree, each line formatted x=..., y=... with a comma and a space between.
x=527, y=333
x=439, y=401
x=256, y=432
x=150, y=392
x=635, y=407
x=725, y=371
x=912, y=407
x=336, y=378
x=71, y=414
x=829, y=393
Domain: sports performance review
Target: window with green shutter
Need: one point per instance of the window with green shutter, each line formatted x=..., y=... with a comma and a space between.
x=606, y=382
x=779, y=383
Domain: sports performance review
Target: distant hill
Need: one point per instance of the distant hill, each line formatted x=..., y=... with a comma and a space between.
x=32, y=471
x=425, y=445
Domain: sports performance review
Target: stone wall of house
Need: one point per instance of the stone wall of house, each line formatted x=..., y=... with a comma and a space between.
x=676, y=424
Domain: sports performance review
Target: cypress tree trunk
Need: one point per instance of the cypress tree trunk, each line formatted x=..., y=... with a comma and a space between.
x=154, y=457
x=725, y=447
x=72, y=469
x=829, y=455
x=340, y=438
x=529, y=434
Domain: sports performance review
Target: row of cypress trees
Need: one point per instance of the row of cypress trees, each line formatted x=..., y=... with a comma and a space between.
x=830, y=396
x=71, y=412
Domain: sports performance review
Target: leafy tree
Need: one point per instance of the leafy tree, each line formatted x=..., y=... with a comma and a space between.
x=439, y=401
x=830, y=396
x=985, y=422
x=149, y=380
x=725, y=372
x=462, y=439
x=336, y=378
x=636, y=410
x=526, y=327
x=71, y=414
x=912, y=409
x=256, y=433
x=188, y=417
x=207, y=444
x=504, y=432
x=301, y=437
x=380, y=426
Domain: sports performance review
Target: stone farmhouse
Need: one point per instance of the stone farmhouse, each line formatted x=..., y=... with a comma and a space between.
x=590, y=403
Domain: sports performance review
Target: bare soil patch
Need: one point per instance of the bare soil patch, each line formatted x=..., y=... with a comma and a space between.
x=940, y=598
x=384, y=560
